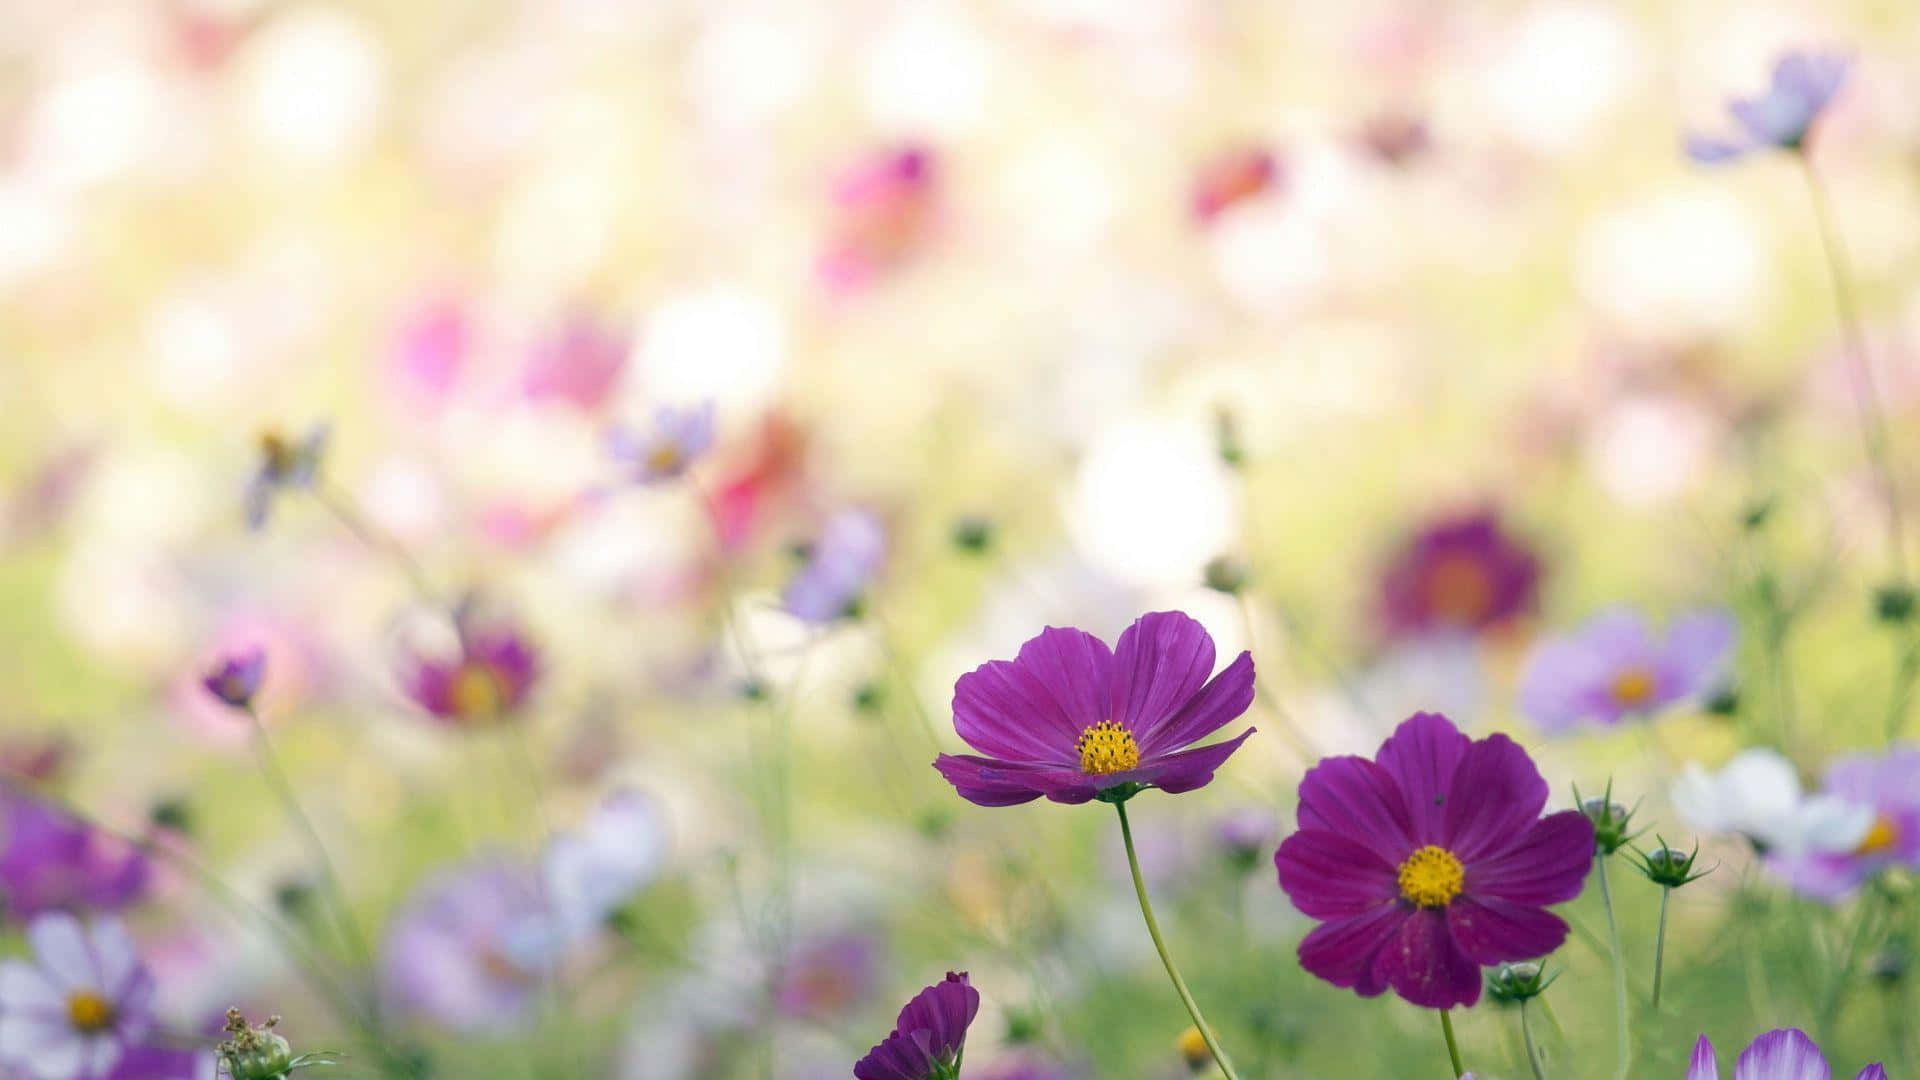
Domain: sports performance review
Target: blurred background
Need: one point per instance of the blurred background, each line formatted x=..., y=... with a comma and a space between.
x=1053, y=312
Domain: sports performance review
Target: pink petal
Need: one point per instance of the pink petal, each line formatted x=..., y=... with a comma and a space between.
x=1421, y=756
x=1423, y=964
x=1160, y=662
x=1495, y=795
x=1356, y=798
x=1493, y=931
x=1330, y=876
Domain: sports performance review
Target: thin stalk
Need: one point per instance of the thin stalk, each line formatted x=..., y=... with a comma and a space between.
x=1619, y=970
x=1660, y=946
x=1453, y=1048
x=343, y=510
x=1843, y=977
x=1533, y=1056
x=1166, y=958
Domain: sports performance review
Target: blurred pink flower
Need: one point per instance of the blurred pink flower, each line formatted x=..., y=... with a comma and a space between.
x=1233, y=177
x=883, y=212
x=578, y=360
x=430, y=352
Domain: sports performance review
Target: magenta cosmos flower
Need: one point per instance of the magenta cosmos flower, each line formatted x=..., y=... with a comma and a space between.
x=1429, y=862
x=235, y=678
x=1613, y=667
x=1881, y=802
x=1785, y=1054
x=928, y=1038
x=487, y=678
x=50, y=861
x=1459, y=573
x=1070, y=719
x=1802, y=87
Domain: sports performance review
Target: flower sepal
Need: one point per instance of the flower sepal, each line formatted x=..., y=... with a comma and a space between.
x=1510, y=984
x=1612, y=823
x=1120, y=793
x=1669, y=867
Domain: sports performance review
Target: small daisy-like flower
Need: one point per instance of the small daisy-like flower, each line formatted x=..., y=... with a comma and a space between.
x=929, y=1036
x=1459, y=573
x=675, y=441
x=1803, y=85
x=486, y=679
x=236, y=677
x=71, y=1013
x=1882, y=831
x=1784, y=1054
x=1232, y=178
x=1071, y=719
x=284, y=465
x=838, y=568
x=1429, y=862
x=1612, y=667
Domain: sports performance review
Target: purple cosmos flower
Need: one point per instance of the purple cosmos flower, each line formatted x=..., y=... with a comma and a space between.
x=165, y=1063
x=1233, y=178
x=676, y=441
x=883, y=209
x=578, y=362
x=487, y=679
x=1783, y=1054
x=1429, y=862
x=236, y=677
x=838, y=568
x=1070, y=719
x=1882, y=830
x=828, y=977
x=1803, y=85
x=1459, y=573
x=283, y=465
x=929, y=1036
x=1611, y=667
x=1242, y=834
x=594, y=870
x=51, y=861
x=471, y=948
x=70, y=1014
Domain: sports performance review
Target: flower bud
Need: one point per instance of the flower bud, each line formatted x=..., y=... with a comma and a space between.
x=972, y=534
x=1612, y=823
x=1669, y=867
x=1513, y=983
x=1226, y=574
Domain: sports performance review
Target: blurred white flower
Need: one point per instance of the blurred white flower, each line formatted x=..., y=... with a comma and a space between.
x=316, y=80
x=1677, y=267
x=593, y=870
x=723, y=344
x=1151, y=502
x=1757, y=794
x=1647, y=450
x=1559, y=73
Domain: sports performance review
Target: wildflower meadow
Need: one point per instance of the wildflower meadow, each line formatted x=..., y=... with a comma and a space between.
x=959, y=540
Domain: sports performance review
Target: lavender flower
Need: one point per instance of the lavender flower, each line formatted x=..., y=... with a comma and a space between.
x=283, y=466
x=1803, y=85
x=1611, y=668
x=676, y=440
x=471, y=948
x=1783, y=1054
x=838, y=569
x=592, y=871
x=236, y=677
x=71, y=1013
x=1884, y=832
x=51, y=861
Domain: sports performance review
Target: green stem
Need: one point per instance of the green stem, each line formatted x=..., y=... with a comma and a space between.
x=1453, y=1048
x=1660, y=946
x=1873, y=425
x=1843, y=978
x=1619, y=970
x=1166, y=958
x=1533, y=1056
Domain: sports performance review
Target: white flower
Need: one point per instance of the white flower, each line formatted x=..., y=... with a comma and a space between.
x=70, y=1014
x=1758, y=794
x=594, y=869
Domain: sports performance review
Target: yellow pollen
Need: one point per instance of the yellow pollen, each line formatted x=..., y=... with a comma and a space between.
x=1632, y=688
x=476, y=691
x=88, y=1012
x=1459, y=589
x=1431, y=877
x=664, y=458
x=1107, y=748
x=1880, y=838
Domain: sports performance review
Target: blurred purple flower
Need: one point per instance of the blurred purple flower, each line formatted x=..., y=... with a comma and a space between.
x=676, y=440
x=486, y=680
x=236, y=677
x=1883, y=794
x=165, y=1063
x=430, y=352
x=838, y=568
x=1611, y=667
x=1803, y=85
x=72, y=1011
x=1070, y=719
x=1462, y=573
x=1429, y=862
x=470, y=949
x=929, y=1035
x=1028, y=1067
x=283, y=466
x=579, y=361
x=1242, y=835
x=51, y=861
x=883, y=212
x=593, y=870
x=1782, y=1054
x=828, y=977
x=1231, y=178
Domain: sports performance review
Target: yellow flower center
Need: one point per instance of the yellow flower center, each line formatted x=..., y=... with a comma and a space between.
x=277, y=452
x=664, y=458
x=1431, y=877
x=1193, y=1047
x=1632, y=688
x=1459, y=589
x=88, y=1012
x=476, y=692
x=1107, y=748
x=1880, y=838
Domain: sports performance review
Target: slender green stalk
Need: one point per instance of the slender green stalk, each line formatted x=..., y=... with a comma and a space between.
x=1843, y=976
x=1453, y=1048
x=1166, y=958
x=1619, y=971
x=1533, y=1056
x=344, y=511
x=1660, y=946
